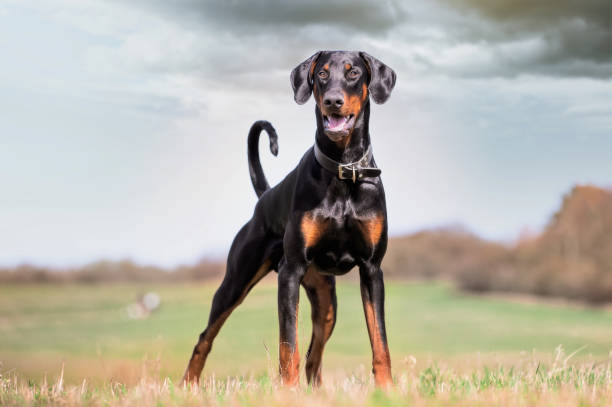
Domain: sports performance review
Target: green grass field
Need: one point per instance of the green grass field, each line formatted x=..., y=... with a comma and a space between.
x=432, y=329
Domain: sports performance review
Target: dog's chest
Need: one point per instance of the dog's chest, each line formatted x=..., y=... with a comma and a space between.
x=341, y=233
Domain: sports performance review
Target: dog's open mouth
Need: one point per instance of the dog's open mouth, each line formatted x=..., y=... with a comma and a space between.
x=338, y=125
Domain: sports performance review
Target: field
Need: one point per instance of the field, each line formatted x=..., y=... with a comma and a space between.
x=72, y=344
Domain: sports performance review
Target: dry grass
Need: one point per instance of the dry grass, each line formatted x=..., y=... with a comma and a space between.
x=528, y=382
x=447, y=349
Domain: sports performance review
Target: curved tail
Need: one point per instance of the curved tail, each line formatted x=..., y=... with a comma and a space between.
x=260, y=183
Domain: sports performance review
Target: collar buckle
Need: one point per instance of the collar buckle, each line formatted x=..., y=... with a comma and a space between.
x=354, y=171
x=351, y=168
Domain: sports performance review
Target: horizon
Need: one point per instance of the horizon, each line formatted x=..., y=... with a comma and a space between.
x=220, y=257
x=115, y=116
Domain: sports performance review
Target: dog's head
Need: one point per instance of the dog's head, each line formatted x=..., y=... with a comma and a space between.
x=342, y=83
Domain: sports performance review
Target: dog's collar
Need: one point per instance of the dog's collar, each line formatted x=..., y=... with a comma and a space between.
x=354, y=171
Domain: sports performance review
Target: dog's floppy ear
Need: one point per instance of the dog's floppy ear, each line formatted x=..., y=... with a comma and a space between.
x=382, y=78
x=301, y=79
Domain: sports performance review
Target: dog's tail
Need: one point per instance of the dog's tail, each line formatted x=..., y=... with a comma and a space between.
x=260, y=183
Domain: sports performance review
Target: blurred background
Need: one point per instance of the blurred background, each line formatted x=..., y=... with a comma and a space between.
x=124, y=176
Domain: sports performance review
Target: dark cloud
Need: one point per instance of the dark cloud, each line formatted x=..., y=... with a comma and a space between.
x=372, y=16
x=536, y=12
x=242, y=39
x=576, y=34
x=473, y=38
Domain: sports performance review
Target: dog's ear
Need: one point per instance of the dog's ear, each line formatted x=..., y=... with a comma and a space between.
x=382, y=78
x=301, y=79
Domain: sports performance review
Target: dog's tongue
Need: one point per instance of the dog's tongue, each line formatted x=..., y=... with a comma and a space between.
x=336, y=122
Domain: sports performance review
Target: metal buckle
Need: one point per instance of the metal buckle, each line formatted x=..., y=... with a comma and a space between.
x=354, y=177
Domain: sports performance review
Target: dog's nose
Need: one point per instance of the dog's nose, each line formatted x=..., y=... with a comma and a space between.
x=333, y=100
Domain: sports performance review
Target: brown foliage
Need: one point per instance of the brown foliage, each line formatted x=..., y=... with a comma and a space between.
x=112, y=271
x=440, y=254
x=571, y=258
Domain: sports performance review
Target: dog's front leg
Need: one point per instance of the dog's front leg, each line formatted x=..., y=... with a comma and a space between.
x=373, y=297
x=289, y=278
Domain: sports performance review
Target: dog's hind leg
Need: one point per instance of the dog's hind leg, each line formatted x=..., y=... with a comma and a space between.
x=321, y=291
x=249, y=260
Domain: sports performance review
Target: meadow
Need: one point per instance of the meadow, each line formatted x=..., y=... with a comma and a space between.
x=75, y=344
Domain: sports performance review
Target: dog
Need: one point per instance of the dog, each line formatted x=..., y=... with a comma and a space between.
x=327, y=216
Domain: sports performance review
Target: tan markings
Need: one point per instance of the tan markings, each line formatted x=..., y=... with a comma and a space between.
x=352, y=105
x=311, y=70
x=317, y=281
x=323, y=318
x=326, y=67
x=347, y=66
x=196, y=364
x=289, y=359
x=372, y=229
x=381, y=361
x=312, y=229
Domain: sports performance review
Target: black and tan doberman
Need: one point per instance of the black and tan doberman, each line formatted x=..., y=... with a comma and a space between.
x=327, y=216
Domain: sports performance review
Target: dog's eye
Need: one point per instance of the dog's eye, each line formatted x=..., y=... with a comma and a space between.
x=323, y=74
x=353, y=73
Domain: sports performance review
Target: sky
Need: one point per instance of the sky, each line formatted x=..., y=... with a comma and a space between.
x=123, y=124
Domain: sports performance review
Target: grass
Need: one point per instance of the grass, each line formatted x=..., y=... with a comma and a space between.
x=527, y=383
x=447, y=348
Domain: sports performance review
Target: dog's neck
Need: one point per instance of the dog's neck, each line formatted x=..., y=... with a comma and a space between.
x=358, y=140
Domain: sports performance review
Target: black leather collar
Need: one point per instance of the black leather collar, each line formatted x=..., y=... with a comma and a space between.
x=354, y=171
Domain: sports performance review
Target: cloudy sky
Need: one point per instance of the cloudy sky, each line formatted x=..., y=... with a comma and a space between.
x=123, y=124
